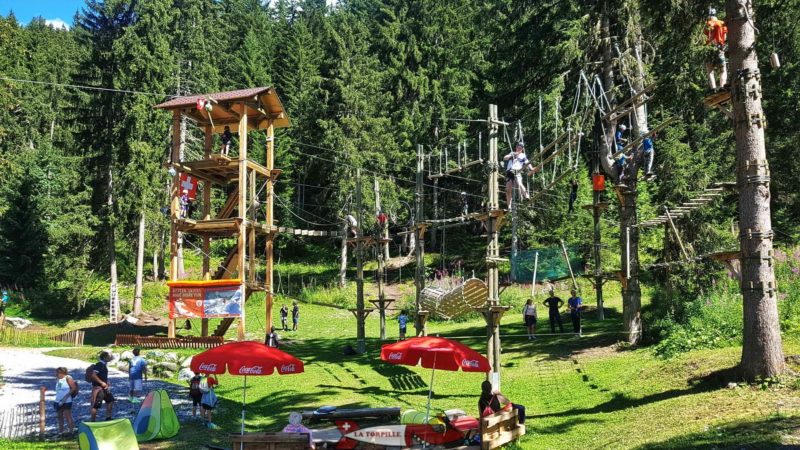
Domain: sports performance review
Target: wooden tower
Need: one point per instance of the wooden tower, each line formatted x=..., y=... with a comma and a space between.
x=256, y=109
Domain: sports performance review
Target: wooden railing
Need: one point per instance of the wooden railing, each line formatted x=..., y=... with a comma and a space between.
x=25, y=420
x=134, y=340
x=16, y=337
x=500, y=429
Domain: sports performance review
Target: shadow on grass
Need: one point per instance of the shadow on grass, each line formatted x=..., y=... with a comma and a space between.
x=759, y=434
x=618, y=402
x=103, y=335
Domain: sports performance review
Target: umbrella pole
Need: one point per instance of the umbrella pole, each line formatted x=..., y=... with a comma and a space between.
x=430, y=391
x=244, y=397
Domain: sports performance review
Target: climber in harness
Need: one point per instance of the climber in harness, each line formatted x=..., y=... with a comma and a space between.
x=619, y=166
x=573, y=195
x=649, y=154
x=380, y=220
x=516, y=163
x=716, y=35
x=352, y=225
x=227, y=137
x=619, y=137
x=464, y=204
x=185, y=202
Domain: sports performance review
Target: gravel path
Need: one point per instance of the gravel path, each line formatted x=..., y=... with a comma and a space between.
x=26, y=369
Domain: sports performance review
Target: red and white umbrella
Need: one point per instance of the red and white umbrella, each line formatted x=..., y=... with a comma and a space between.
x=246, y=358
x=435, y=353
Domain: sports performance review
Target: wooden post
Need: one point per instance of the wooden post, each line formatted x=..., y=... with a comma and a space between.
x=381, y=294
x=360, y=329
x=535, y=267
x=242, y=238
x=596, y=213
x=493, y=247
x=343, y=257
x=174, y=208
x=207, y=143
x=569, y=266
x=42, y=410
x=270, y=219
x=419, y=248
x=677, y=236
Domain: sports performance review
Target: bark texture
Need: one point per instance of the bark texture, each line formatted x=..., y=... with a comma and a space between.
x=762, y=353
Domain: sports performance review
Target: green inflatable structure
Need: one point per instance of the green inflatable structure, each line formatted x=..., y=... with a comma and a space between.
x=156, y=418
x=109, y=435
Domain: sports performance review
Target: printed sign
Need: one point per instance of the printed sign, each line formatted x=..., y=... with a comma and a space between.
x=203, y=302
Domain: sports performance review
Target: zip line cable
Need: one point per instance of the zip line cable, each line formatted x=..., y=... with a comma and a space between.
x=92, y=88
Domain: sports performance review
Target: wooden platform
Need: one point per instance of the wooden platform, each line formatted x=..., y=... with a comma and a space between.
x=717, y=98
x=221, y=169
x=217, y=227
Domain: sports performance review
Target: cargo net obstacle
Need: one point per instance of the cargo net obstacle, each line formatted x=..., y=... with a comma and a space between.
x=448, y=302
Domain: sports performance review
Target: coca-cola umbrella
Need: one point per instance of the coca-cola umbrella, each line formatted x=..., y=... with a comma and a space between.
x=434, y=353
x=246, y=358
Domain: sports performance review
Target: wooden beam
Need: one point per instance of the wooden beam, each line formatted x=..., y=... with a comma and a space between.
x=242, y=241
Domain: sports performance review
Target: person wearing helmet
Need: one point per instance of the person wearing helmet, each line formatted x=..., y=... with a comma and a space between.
x=716, y=35
x=464, y=204
x=649, y=153
x=185, y=202
x=227, y=137
x=619, y=137
x=516, y=163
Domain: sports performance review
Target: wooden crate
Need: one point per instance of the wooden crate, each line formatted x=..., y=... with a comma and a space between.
x=270, y=441
x=500, y=429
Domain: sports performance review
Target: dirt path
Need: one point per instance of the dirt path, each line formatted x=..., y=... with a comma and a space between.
x=26, y=369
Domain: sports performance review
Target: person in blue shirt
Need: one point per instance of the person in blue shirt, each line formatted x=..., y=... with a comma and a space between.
x=402, y=319
x=619, y=137
x=137, y=371
x=574, y=303
x=4, y=302
x=649, y=153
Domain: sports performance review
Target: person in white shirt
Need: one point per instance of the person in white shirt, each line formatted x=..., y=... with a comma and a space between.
x=529, y=316
x=516, y=163
x=66, y=389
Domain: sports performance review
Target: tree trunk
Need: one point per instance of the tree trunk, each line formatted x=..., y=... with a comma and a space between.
x=762, y=354
x=631, y=292
x=155, y=264
x=137, y=296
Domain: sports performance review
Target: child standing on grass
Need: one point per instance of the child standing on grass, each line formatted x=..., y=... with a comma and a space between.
x=402, y=319
x=196, y=394
x=295, y=315
x=209, y=401
x=284, y=317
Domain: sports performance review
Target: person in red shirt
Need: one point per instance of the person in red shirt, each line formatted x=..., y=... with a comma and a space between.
x=716, y=35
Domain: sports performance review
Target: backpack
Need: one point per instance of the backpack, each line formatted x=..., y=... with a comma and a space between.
x=74, y=392
x=194, y=386
x=89, y=372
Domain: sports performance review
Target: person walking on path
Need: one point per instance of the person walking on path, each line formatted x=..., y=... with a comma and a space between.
x=284, y=317
x=402, y=319
x=137, y=371
x=492, y=401
x=209, y=401
x=529, y=317
x=554, y=304
x=272, y=339
x=66, y=390
x=575, y=303
x=101, y=392
x=196, y=394
x=295, y=315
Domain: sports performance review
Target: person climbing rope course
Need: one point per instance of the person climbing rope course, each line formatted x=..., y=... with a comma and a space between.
x=516, y=163
x=716, y=35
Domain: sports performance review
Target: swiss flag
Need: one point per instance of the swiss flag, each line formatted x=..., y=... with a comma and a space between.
x=189, y=183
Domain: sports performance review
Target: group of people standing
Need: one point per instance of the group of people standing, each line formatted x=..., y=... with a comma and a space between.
x=554, y=304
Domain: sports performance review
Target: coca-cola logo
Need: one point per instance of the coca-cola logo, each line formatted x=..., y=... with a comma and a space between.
x=288, y=368
x=470, y=363
x=206, y=367
x=395, y=356
x=255, y=370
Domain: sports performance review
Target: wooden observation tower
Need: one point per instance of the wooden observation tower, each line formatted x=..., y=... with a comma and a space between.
x=246, y=212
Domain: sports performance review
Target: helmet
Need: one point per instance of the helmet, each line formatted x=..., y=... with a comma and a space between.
x=185, y=191
x=712, y=12
x=623, y=127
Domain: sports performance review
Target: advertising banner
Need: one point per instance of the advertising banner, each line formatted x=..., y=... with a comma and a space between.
x=205, y=299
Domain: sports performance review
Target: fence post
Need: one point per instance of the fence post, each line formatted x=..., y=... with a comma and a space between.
x=42, y=410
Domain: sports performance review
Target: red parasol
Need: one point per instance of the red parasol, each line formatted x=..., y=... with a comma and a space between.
x=435, y=353
x=245, y=358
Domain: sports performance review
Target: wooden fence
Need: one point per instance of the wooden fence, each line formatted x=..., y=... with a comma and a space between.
x=134, y=340
x=23, y=420
x=16, y=337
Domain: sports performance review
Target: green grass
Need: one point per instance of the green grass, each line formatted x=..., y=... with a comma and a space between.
x=580, y=393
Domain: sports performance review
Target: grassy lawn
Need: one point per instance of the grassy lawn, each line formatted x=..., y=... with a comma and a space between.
x=580, y=393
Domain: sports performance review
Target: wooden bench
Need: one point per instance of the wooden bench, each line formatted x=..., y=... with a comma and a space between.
x=270, y=441
x=134, y=340
x=500, y=429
